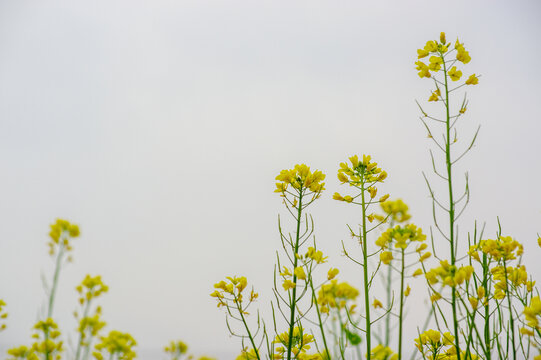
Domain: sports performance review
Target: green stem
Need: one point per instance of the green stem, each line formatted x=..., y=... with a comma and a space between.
x=58, y=265
x=81, y=333
x=320, y=323
x=294, y=292
x=239, y=308
x=400, y=318
x=511, y=321
x=451, y=205
x=487, y=309
x=365, y=272
x=388, y=318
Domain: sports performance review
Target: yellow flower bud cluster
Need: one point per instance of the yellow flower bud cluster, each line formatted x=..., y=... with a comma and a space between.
x=22, y=352
x=91, y=325
x=439, y=51
x=247, y=355
x=382, y=352
x=361, y=174
x=230, y=292
x=300, y=344
x=117, y=345
x=335, y=295
x=402, y=236
x=449, y=275
x=504, y=248
x=62, y=231
x=47, y=342
x=516, y=277
x=3, y=315
x=91, y=288
x=533, y=313
x=176, y=349
x=300, y=178
x=432, y=344
x=396, y=210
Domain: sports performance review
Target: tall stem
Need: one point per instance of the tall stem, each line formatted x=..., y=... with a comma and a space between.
x=511, y=321
x=320, y=323
x=451, y=204
x=365, y=272
x=295, y=261
x=400, y=318
x=239, y=308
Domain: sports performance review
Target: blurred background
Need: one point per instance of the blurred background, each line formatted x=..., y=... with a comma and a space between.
x=159, y=128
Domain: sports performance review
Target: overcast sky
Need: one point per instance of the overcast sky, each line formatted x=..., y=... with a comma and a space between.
x=159, y=126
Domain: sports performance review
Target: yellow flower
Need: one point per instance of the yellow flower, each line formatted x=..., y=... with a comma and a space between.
x=288, y=284
x=435, y=63
x=435, y=95
x=332, y=273
x=301, y=178
x=421, y=53
x=455, y=74
x=407, y=291
x=462, y=55
x=423, y=69
x=373, y=191
x=418, y=272
x=386, y=257
x=377, y=304
x=299, y=272
x=431, y=46
x=442, y=38
x=472, y=80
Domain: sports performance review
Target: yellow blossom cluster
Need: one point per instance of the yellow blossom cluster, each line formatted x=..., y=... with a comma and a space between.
x=62, y=231
x=395, y=210
x=402, y=237
x=118, y=345
x=432, y=343
x=22, y=352
x=503, y=248
x=440, y=57
x=91, y=325
x=50, y=346
x=91, y=288
x=232, y=291
x=335, y=295
x=3, y=314
x=516, y=277
x=533, y=313
x=247, y=355
x=300, y=178
x=382, y=352
x=300, y=345
x=449, y=275
x=315, y=255
x=175, y=349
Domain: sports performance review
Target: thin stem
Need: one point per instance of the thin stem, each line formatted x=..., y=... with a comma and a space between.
x=365, y=272
x=295, y=260
x=401, y=318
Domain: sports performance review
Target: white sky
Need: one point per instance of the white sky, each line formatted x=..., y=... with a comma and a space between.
x=159, y=128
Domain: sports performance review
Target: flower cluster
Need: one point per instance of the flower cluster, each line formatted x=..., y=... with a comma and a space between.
x=176, y=349
x=503, y=248
x=300, y=345
x=62, y=231
x=402, y=237
x=336, y=295
x=449, y=275
x=48, y=342
x=432, y=344
x=300, y=179
x=362, y=175
x=117, y=345
x=3, y=314
x=395, y=210
x=381, y=352
x=232, y=291
x=440, y=57
x=23, y=353
x=91, y=288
